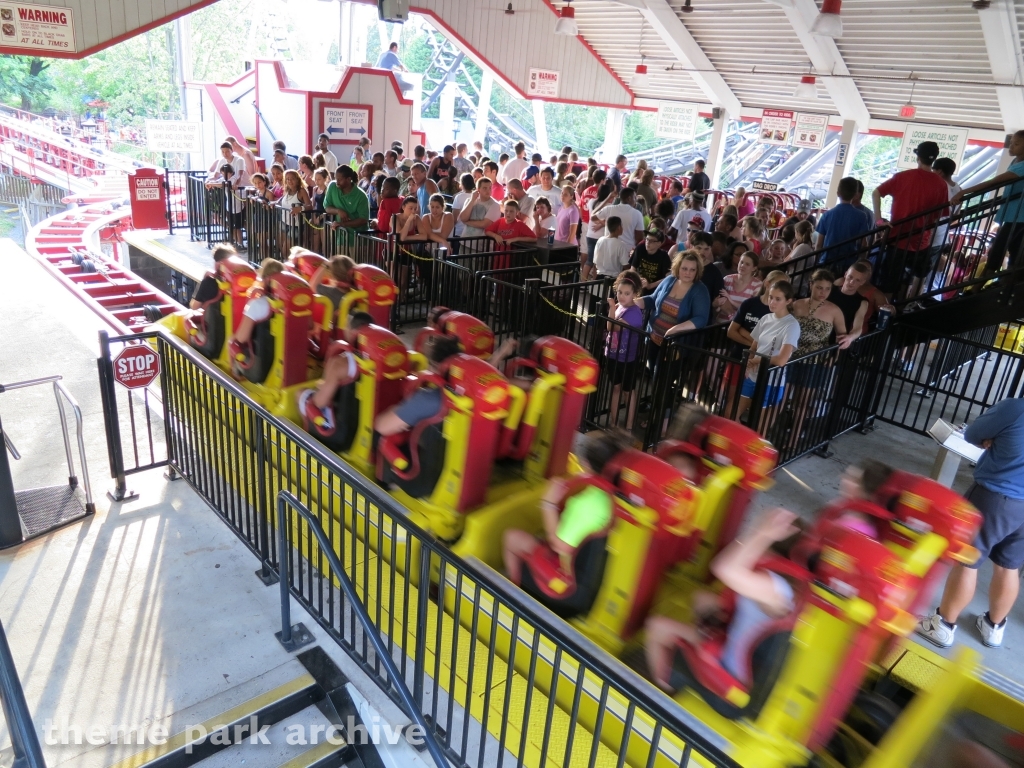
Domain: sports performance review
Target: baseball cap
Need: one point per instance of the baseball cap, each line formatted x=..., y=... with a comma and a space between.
x=697, y=223
x=927, y=152
x=804, y=206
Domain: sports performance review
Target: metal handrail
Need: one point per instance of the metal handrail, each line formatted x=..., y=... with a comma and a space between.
x=285, y=499
x=27, y=751
x=61, y=394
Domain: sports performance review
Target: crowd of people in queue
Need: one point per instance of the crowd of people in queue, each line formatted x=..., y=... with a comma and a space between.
x=786, y=284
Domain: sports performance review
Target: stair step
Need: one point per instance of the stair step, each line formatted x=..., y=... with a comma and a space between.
x=280, y=754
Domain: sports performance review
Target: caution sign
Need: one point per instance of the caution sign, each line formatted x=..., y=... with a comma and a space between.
x=677, y=120
x=37, y=27
x=136, y=367
x=951, y=141
x=174, y=136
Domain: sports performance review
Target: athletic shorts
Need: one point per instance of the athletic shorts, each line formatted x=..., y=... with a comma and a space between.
x=258, y=309
x=622, y=374
x=1001, y=538
x=772, y=397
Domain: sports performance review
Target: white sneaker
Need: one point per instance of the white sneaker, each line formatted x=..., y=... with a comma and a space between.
x=936, y=631
x=991, y=635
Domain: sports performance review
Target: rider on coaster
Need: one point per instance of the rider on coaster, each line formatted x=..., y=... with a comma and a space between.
x=208, y=289
x=761, y=597
x=425, y=402
x=687, y=418
x=334, y=279
x=339, y=371
x=257, y=308
x=584, y=514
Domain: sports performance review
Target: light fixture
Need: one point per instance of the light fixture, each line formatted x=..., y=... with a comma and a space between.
x=566, y=24
x=828, y=23
x=509, y=11
x=640, y=79
x=687, y=8
x=808, y=88
x=908, y=111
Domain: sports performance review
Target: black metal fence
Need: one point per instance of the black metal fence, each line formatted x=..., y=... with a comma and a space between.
x=954, y=378
x=134, y=419
x=931, y=255
x=499, y=677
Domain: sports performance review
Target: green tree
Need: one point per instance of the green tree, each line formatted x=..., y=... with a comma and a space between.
x=25, y=81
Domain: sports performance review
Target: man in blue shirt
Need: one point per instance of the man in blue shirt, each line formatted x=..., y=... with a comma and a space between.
x=389, y=60
x=839, y=226
x=1010, y=216
x=998, y=493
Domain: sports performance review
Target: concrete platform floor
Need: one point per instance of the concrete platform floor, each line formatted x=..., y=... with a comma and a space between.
x=147, y=608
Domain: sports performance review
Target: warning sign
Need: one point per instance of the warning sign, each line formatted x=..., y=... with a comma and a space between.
x=136, y=367
x=810, y=130
x=775, y=126
x=677, y=120
x=174, y=136
x=37, y=27
x=543, y=84
x=951, y=141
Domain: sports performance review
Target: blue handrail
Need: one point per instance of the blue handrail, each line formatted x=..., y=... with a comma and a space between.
x=27, y=752
x=285, y=500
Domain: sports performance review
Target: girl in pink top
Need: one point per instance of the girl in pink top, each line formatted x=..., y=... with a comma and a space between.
x=738, y=288
x=568, y=217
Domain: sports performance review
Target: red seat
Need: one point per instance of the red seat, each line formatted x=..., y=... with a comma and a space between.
x=205, y=326
x=569, y=585
x=400, y=456
x=474, y=336
x=700, y=666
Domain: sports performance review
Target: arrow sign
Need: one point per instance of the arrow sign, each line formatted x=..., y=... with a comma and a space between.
x=344, y=120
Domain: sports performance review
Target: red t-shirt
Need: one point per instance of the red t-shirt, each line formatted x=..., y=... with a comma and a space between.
x=508, y=231
x=588, y=194
x=914, y=191
x=388, y=207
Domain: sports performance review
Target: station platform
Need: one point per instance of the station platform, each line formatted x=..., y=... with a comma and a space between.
x=151, y=606
x=149, y=612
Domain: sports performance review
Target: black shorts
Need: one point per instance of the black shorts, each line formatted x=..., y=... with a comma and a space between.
x=900, y=266
x=622, y=374
x=1001, y=538
x=237, y=220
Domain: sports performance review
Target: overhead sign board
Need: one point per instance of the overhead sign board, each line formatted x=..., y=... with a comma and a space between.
x=346, y=123
x=37, y=27
x=544, y=83
x=776, y=125
x=677, y=120
x=174, y=136
x=810, y=130
x=951, y=141
x=841, y=153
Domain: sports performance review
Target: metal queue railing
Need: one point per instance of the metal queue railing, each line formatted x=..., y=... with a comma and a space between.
x=495, y=675
x=24, y=741
x=960, y=244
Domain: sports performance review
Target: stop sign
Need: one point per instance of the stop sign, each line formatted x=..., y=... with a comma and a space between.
x=136, y=367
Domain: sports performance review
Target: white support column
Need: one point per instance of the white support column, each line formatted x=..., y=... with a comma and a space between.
x=716, y=152
x=541, y=127
x=345, y=33
x=677, y=38
x=447, y=109
x=825, y=57
x=999, y=26
x=1005, y=161
x=483, y=107
x=612, y=136
x=844, y=160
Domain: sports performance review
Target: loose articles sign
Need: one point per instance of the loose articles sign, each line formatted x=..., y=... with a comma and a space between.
x=951, y=141
x=677, y=120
